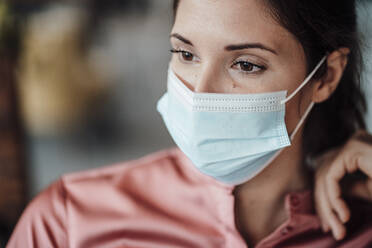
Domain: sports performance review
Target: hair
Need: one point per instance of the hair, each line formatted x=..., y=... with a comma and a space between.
x=320, y=27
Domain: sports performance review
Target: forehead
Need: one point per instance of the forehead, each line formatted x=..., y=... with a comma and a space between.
x=230, y=21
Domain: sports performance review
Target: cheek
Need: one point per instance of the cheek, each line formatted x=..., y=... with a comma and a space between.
x=296, y=108
x=187, y=75
x=292, y=115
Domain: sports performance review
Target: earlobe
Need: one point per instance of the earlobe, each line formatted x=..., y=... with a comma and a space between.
x=326, y=86
x=321, y=92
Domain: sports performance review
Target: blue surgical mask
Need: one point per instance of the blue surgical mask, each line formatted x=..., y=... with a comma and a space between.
x=230, y=137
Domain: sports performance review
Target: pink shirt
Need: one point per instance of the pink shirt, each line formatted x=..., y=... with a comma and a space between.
x=161, y=200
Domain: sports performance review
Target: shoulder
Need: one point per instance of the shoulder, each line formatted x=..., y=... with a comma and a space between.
x=119, y=187
x=43, y=220
x=93, y=194
x=153, y=168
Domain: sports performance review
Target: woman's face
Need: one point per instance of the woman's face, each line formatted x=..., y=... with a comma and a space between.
x=235, y=46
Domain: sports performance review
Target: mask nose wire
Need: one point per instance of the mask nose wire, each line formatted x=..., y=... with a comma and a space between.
x=305, y=82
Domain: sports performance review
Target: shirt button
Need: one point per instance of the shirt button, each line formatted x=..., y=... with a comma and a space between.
x=286, y=230
x=295, y=201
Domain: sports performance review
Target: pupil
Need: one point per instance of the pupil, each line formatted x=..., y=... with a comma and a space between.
x=187, y=56
x=246, y=66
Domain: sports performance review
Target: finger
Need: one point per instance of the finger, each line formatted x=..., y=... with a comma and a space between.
x=321, y=202
x=363, y=189
x=326, y=228
x=338, y=229
x=364, y=163
x=342, y=210
x=333, y=189
x=323, y=218
x=360, y=189
x=319, y=206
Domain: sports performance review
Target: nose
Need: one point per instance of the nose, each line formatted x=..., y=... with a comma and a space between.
x=207, y=82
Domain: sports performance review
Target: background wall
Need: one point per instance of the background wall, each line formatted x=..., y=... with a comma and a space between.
x=131, y=48
x=365, y=23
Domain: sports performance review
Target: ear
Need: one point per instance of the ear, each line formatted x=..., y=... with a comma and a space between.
x=336, y=63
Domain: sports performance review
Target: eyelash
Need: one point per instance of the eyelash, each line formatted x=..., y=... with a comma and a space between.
x=182, y=52
x=240, y=62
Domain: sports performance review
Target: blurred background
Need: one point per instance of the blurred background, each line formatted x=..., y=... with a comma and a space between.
x=79, y=83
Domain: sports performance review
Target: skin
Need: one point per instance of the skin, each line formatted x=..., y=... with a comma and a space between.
x=355, y=155
x=200, y=35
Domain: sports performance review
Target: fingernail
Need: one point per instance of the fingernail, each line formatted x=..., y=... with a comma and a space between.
x=345, y=219
x=338, y=236
x=335, y=235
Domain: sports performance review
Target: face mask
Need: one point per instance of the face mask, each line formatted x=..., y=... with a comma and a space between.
x=230, y=137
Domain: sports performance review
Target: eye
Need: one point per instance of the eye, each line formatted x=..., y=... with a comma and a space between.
x=248, y=67
x=184, y=55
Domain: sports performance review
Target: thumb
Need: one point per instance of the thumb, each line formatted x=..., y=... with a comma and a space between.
x=360, y=189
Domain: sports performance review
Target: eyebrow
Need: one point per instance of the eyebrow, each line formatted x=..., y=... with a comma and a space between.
x=229, y=47
x=248, y=46
x=181, y=38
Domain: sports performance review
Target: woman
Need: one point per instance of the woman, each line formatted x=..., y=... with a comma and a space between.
x=257, y=90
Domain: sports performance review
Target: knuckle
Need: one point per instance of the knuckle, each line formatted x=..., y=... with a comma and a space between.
x=353, y=161
x=328, y=178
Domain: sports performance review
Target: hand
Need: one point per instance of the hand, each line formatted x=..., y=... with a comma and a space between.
x=335, y=165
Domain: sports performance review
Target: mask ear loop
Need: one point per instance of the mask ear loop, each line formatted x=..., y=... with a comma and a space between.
x=306, y=80
x=303, y=118
x=311, y=106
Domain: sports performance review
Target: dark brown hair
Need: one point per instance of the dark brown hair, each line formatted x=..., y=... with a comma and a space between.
x=321, y=27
